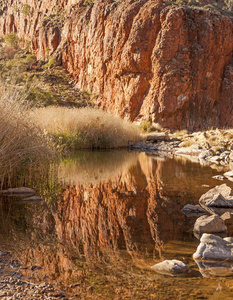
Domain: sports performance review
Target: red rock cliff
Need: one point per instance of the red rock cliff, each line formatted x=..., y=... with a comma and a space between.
x=141, y=59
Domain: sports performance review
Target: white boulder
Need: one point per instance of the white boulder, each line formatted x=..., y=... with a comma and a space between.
x=170, y=267
x=213, y=247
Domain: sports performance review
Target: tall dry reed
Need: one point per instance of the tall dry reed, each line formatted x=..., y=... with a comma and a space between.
x=22, y=144
x=86, y=127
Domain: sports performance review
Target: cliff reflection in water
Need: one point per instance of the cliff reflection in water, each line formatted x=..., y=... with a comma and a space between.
x=130, y=209
x=118, y=206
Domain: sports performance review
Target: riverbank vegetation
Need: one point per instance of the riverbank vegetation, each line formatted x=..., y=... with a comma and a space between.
x=23, y=145
x=85, y=128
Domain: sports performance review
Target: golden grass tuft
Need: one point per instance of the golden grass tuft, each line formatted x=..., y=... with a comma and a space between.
x=85, y=127
x=22, y=143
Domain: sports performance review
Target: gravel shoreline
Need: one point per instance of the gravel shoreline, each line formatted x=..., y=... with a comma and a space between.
x=210, y=148
x=13, y=285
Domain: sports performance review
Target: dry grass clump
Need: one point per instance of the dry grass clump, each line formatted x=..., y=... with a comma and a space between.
x=85, y=127
x=22, y=144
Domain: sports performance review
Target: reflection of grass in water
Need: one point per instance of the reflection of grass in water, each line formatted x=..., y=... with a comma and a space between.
x=12, y=216
x=47, y=184
x=95, y=166
x=43, y=178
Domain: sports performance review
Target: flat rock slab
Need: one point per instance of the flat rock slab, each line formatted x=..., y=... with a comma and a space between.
x=170, y=267
x=213, y=247
x=162, y=136
x=193, y=210
x=210, y=224
x=219, y=196
x=17, y=191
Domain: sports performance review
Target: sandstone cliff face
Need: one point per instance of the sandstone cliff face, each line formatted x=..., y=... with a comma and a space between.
x=143, y=60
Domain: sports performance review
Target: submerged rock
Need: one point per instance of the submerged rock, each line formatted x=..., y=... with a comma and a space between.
x=170, y=267
x=193, y=210
x=33, y=199
x=219, y=196
x=210, y=224
x=18, y=191
x=213, y=247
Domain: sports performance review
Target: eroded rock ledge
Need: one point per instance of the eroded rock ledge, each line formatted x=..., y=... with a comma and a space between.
x=143, y=60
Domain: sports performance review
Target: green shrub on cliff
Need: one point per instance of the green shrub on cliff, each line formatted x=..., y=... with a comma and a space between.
x=88, y=2
x=40, y=97
x=26, y=10
x=11, y=39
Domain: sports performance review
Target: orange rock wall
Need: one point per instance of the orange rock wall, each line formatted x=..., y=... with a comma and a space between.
x=142, y=60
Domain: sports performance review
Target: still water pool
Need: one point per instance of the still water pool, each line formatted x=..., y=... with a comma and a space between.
x=118, y=213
